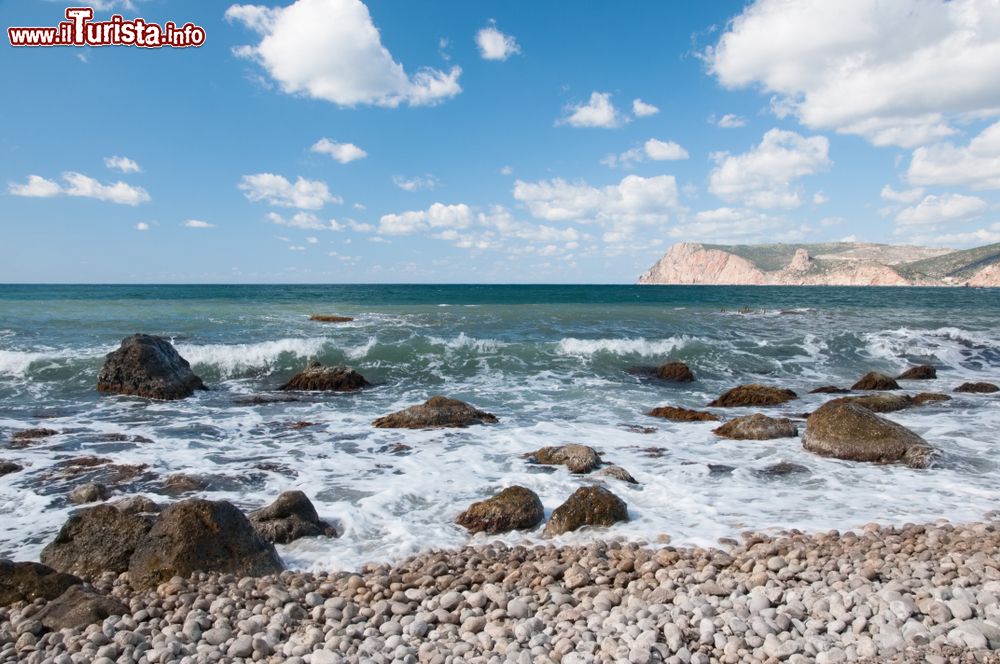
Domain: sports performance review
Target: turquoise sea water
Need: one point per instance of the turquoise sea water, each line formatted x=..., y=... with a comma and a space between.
x=549, y=361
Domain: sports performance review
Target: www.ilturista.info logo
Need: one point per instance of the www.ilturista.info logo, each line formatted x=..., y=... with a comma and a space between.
x=81, y=30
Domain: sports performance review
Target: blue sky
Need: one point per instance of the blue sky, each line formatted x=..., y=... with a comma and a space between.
x=335, y=141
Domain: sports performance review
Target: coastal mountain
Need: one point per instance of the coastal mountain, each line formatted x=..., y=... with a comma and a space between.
x=826, y=264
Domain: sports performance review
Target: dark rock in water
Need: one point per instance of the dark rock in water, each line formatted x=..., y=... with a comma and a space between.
x=977, y=388
x=848, y=431
x=27, y=437
x=829, y=389
x=754, y=394
x=436, y=412
x=179, y=483
x=316, y=377
x=8, y=467
x=26, y=582
x=261, y=400
x=150, y=367
x=757, y=427
x=720, y=469
x=322, y=318
x=879, y=403
x=79, y=607
x=638, y=428
x=920, y=372
x=677, y=372
x=136, y=505
x=514, y=508
x=91, y=492
x=577, y=458
x=588, y=506
x=618, y=473
x=96, y=540
x=873, y=380
x=683, y=414
x=783, y=468
x=929, y=397
x=288, y=518
x=197, y=535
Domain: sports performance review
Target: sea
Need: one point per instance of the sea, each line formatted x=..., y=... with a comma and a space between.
x=551, y=362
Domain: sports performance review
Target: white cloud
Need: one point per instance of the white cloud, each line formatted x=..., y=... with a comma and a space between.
x=277, y=190
x=331, y=50
x=495, y=45
x=728, y=224
x=653, y=149
x=296, y=247
x=641, y=109
x=358, y=227
x=78, y=184
x=415, y=183
x=304, y=221
x=142, y=226
x=507, y=170
x=123, y=164
x=896, y=72
x=939, y=209
x=819, y=198
x=342, y=152
x=437, y=216
x=763, y=177
x=976, y=165
x=196, y=223
x=312, y=240
x=986, y=235
x=907, y=196
x=598, y=112
x=35, y=187
x=731, y=121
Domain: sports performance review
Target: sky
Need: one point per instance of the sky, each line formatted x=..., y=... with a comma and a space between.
x=333, y=141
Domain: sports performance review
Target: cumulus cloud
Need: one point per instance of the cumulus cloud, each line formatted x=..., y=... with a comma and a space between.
x=939, y=209
x=897, y=72
x=729, y=225
x=83, y=186
x=277, y=190
x=976, y=165
x=142, y=226
x=653, y=149
x=986, y=235
x=731, y=121
x=35, y=187
x=907, y=196
x=641, y=109
x=436, y=216
x=763, y=177
x=197, y=223
x=415, y=183
x=495, y=45
x=304, y=221
x=597, y=112
x=123, y=164
x=342, y=152
x=331, y=50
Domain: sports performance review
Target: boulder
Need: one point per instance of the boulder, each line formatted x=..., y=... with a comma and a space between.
x=27, y=437
x=79, y=607
x=316, y=377
x=288, y=518
x=873, y=380
x=919, y=372
x=197, y=535
x=618, y=473
x=136, y=505
x=977, y=388
x=848, y=431
x=783, y=468
x=588, y=506
x=514, y=508
x=323, y=318
x=929, y=397
x=757, y=427
x=436, y=412
x=91, y=492
x=148, y=366
x=754, y=394
x=880, y=403
x=8, y=467
x=96, y=540
x=829, y=389
x=26, y=582
x=683, y=414
x=577, y=458
x=676, y=372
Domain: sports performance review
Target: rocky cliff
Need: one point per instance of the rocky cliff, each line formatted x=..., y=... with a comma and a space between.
x=830, y=264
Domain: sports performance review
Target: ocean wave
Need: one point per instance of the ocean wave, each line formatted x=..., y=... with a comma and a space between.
x=465, y=341
x=637, y=346
x=233, y=359
x=951, y=345
x=18, y=363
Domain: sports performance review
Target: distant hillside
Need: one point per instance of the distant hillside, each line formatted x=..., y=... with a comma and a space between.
x=825, y=264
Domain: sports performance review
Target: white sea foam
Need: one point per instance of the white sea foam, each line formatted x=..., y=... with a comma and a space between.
x=465, y=341
x=638, y=346
x=233, y=359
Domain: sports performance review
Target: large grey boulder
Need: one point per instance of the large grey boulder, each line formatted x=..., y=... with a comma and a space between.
x=26, y=582
x=96, y=540
x=291, y=516
x=148, y=366
x=848, y=431
x=514, y=508
x=592, y=506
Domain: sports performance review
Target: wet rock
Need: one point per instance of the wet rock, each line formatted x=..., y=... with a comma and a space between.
x=8, y=467
x=683, y=414
x=618, y=473
x=323, y=318
x=977, y=388
x=26, y=437
x=873, y=380
x=676, y=372
x=91, y=492
x=434, y=413
x=588, y=506
x=99, y=539
x=26, y=582
x=879, y=403
x=757, y=427
x=929, y=397
x=577, y=458
x=720, y=469
x=514, y=508
x=264, y=399
x=291, y=516
x=201, y=535
x=150, y=367
x=783, y=468
x=829, y=389
x=754, y=394
x=136, y=505
x=79, y=607
x=919, y=372
x=316, y=377
x=180, y=483
x=849, y=431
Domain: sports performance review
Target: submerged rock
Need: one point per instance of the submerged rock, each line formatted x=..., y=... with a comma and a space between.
x=829, y=389
x=848, y=431
x=879, y=403
x=588, y=506
x=316, y=377
x=8, y=467
x=683, y=414
x=618, y=473
x=754, y=394
x=783, y=468
x=977, y=388
x=676, y=372
x=577, y=458
x=150, y=367
x=323, y=318
x=757, y=427
x=91, y=492
x=929, y=397
x=26, y=437
x=96, y=540
x=26, y=582
x=919, y=372
x=873, y=380
x=79, y=607
x=514, y=508
x=434, y=413
x=288, y=518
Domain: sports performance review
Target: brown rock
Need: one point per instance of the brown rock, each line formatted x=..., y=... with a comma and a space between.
x=514, y=508
x=8, y=467
x=577, y=458
x=754, y=394
x=676, y=372
x=873, y=380
x=79, y=607
x=91, y=492
x=26, y=437
x=288, y=518
x=977, y=388
x=588, y=506
x=880, y=403
x=150, y=367
x=316, y=377
x=757, y=427
x=179, y=483
x=683, y=414
x=322, y=318
x=829, y=389
x=26, y=582
x=929, y=397
x=783, y=468
x=849, y=431
x=436, y=412
x=920, y=372
x=96, y=540
x=618, y=473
